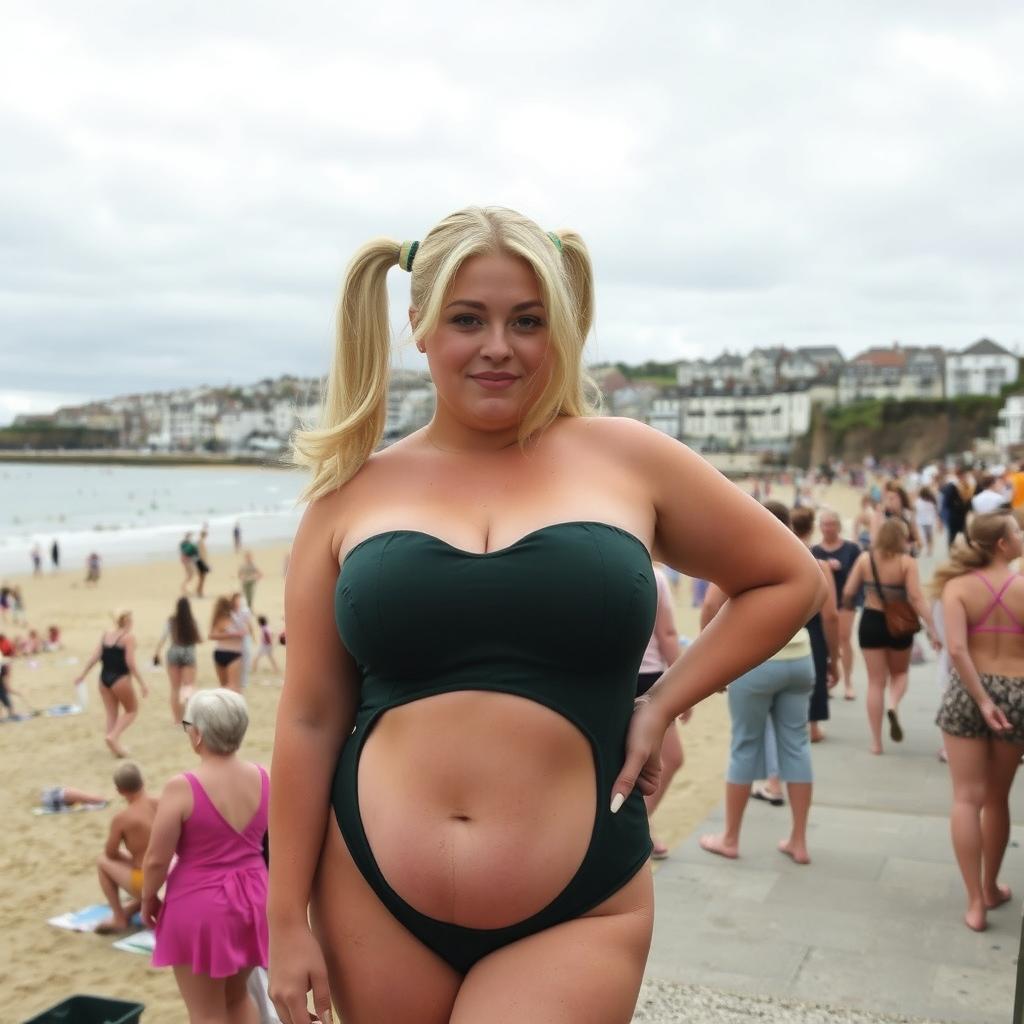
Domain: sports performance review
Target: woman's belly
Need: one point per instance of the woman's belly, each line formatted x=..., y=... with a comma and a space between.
x=478, y=807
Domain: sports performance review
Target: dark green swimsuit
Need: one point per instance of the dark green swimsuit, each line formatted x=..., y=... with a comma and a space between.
x=561, y=617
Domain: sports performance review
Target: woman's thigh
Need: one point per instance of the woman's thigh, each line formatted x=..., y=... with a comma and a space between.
x=203, y=996
x=897, y=662
x=584, y=971
x=174, y=675
x=1004, y=759
x=876, y=661
x=846, y=618
x=378, y=970
x=124, y=694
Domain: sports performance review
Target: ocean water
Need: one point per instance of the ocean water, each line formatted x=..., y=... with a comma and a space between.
x=135, y=513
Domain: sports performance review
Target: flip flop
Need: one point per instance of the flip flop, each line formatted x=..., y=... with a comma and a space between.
x=895, y=731
x=660, y=851
x=760, y=793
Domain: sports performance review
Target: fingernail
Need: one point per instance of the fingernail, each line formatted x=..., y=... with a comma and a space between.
x=617, y=801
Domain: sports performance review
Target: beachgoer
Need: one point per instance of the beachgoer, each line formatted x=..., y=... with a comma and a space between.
x=122, y=868
x=1016, y=481
x=17, y=607
x=864, y=520
x=244, y=619
x=662, y=651
x=823, y=630
x=116, y=652
x=236, y=534
x=266, y=648
x=495, y=598
x=202, y=561
x=840, y=555
x=956, y=500
x=7, y=691
x=896, y=505
x=227, y=633
x=57, y=799
x=92, y=568
x=982, y=712
x=5, y=603
x=249, y=575
x=768, y=709
x=989, y=496
x=55, y=555
x=187, y=554
x=887, y=573
x=212, y=925
x=37, y=559
x=183, y=633
x=926, y=512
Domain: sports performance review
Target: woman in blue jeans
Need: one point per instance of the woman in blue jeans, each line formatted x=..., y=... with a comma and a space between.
x=777, y=690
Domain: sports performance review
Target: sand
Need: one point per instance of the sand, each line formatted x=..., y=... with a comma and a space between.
x=47, y=863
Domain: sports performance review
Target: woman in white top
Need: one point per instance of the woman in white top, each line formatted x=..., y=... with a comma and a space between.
x=926, y=511
x=661, y=652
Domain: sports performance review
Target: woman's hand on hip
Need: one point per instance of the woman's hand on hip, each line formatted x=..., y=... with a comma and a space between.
x=642, y=765
x=994, y=717
x=296, y=968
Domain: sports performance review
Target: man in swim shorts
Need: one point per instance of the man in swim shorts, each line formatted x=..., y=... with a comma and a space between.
x=122, y=868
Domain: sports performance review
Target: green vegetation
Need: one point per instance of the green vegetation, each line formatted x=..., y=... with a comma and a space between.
x=51, y=436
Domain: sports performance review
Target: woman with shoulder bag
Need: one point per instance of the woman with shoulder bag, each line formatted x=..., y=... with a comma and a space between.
x=893, y=604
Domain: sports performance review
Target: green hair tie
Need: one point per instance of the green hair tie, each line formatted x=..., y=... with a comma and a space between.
x=407, y=254
x=554, y=238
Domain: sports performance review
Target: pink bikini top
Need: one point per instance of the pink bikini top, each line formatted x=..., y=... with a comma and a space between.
x=979, y=626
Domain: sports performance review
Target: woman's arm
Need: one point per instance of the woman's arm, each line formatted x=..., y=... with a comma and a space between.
x=877, y=518
x=708, y=527
x=96, y=655
x=714, y=599
x=129, y=657
x=917, y=599
x=219, y=631
x=315, y=714
x=854, y=582
x=175, y=805
x=830, y=622
x=954, y=618
x=164, y=637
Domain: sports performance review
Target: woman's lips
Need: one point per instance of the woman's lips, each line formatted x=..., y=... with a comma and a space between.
x=492, y=384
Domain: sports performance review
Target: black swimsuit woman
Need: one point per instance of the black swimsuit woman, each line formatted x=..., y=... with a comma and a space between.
x=116, y=654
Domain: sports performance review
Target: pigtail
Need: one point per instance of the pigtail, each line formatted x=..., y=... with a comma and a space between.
x=354, y=404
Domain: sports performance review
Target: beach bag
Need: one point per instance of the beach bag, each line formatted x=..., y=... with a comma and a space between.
x=901, y=619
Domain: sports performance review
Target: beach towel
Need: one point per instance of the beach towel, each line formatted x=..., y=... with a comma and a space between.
x=62, y=710
x=86, y=919
x=141, y=943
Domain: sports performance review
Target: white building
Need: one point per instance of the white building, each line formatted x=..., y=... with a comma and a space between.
x=742, y=418
x=981, y=369
x=1010, y=431
x=717, y=372
x=892, y=373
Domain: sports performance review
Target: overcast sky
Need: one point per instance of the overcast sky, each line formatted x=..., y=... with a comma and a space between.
x=182, y=184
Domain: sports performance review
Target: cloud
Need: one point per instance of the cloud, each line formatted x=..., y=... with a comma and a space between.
x=180, y=194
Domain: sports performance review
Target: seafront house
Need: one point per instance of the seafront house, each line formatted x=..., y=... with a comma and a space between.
x=983, y=368
x=897, y=373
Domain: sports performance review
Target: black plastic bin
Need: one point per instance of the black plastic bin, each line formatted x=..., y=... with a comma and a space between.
x=90, y=1010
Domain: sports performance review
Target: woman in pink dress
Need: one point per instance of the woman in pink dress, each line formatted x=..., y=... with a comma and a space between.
x=212, y=925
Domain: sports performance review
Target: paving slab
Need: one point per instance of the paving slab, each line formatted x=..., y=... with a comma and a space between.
x=872, y=927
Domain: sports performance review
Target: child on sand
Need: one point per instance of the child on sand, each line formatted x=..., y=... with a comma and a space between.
x=266, y=648
x=122, y=868
x=62, y=798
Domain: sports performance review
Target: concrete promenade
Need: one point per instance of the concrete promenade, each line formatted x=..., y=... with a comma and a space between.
x=873, y=924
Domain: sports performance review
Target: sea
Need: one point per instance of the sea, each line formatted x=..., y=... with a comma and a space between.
x=138, y=513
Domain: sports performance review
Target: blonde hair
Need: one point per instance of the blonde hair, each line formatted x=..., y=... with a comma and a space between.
x=891, y=538
x=973, y=550
x=220, y=717
x=120, y=615
x=355, y=401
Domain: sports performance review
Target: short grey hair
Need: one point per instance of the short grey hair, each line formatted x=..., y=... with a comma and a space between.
x=221, y=718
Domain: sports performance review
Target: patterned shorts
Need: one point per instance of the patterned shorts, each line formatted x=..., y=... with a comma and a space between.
x=959, y=715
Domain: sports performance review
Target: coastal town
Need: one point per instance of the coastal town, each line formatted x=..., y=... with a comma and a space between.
x=760, y=403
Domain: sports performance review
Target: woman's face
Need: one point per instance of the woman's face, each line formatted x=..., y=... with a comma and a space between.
x=892, y=502
x=488, y=353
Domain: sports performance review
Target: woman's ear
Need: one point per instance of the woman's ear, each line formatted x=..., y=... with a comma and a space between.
x=413, y=320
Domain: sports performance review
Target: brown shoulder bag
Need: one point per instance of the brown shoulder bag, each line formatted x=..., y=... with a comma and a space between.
x=900, y=617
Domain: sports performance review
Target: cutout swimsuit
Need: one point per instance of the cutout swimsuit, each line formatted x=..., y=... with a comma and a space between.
x=560, y=617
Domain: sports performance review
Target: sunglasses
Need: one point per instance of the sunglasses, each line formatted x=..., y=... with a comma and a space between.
x=185, y=726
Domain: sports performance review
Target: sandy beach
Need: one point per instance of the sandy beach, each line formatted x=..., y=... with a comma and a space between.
x=47, y=863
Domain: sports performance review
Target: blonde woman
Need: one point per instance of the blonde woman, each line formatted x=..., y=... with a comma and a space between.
x=116, y=653
x=887, y=573
x=982, y=712
x=460, y=760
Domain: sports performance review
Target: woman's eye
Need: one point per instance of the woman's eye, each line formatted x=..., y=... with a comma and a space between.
x=465, y=320
x=527, y=323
